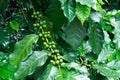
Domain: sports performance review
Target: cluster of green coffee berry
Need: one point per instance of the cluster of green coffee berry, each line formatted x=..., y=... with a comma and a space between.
x=85, y=62
x=48, y=43
x=36, y=15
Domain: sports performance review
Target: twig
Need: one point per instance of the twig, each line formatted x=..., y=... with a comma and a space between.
x=32, y=5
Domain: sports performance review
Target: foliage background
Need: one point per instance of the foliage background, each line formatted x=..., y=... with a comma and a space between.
x=86, y=32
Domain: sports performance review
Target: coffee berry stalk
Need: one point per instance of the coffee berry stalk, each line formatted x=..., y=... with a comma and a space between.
x=48, y=43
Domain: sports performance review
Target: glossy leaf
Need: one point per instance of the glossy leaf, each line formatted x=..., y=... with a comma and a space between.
x=74, y=34
x=38, y=58
x=95, y=16
x=104, y=26
x=14, y=25
x=82, y=12
x=58, y=19
x=81, y=77
x=68, y=8
x=106, y=52
x=106, y=71
x=101, y=2
x=49, y=73
x=3, y=6
x=4, y=37
x=76, y=67
x=7, y=72
x=114, y=64
x=107, y=39
x=3, y=59
x=63, y=74
x=89, y=3
x=117, y=34
x=22, y=49
x=96, y=38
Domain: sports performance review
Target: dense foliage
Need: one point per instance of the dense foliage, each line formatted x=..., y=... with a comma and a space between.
x=59, y=40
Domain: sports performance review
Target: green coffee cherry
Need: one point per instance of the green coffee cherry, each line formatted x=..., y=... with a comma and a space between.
x=40, y=27
x=52, y=51
x=34, y=25
x=44, y=22
x=58, y=54
x=37, y=24
x=34, y=13
x=40, y=35
x=57, y=51
x=47, y=46
x=43, y=38
x=31, y=7
x=61, y=60
x=58, y=57
x=32, y=16
x=49, y=54
x=35, y=28
x=49, y=36
x=48, y=32
x=45, y=43
x=51, y=61
x=53, y=42
x=45, y=35
x=41, y=23
x=39, y=15
x=57, y=62
x=50, y=46
x=44, y=26
x=36, y=17
x=53, y=46
x=37, y=12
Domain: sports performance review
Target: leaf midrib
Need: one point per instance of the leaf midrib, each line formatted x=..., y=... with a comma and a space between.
x=32, y=64
x=25, y=48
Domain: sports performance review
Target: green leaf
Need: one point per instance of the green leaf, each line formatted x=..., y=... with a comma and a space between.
x=114, y=65
x=14, y=25
x=74, y=34
x=117, y=34
x=3, y=6
x=58, y=19
x=100, y=2
x=76, y=67
x=22, y=49
x=82, y=12
x=38, y=58
x=68, y=7
x=107, y=39
x=96, y=16
x=4, y=36
x=81, y=77
x=97, y=7
x=108, y=72
x=70, y=56
x=3, y=58
x=63, y=74
x=96, y=38
x=49, y=73
x=107, y=28
x=106, y=52
x=89, y=3
x=7, y=72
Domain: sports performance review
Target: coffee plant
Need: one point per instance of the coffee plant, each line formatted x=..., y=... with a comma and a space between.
x=59, y=39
